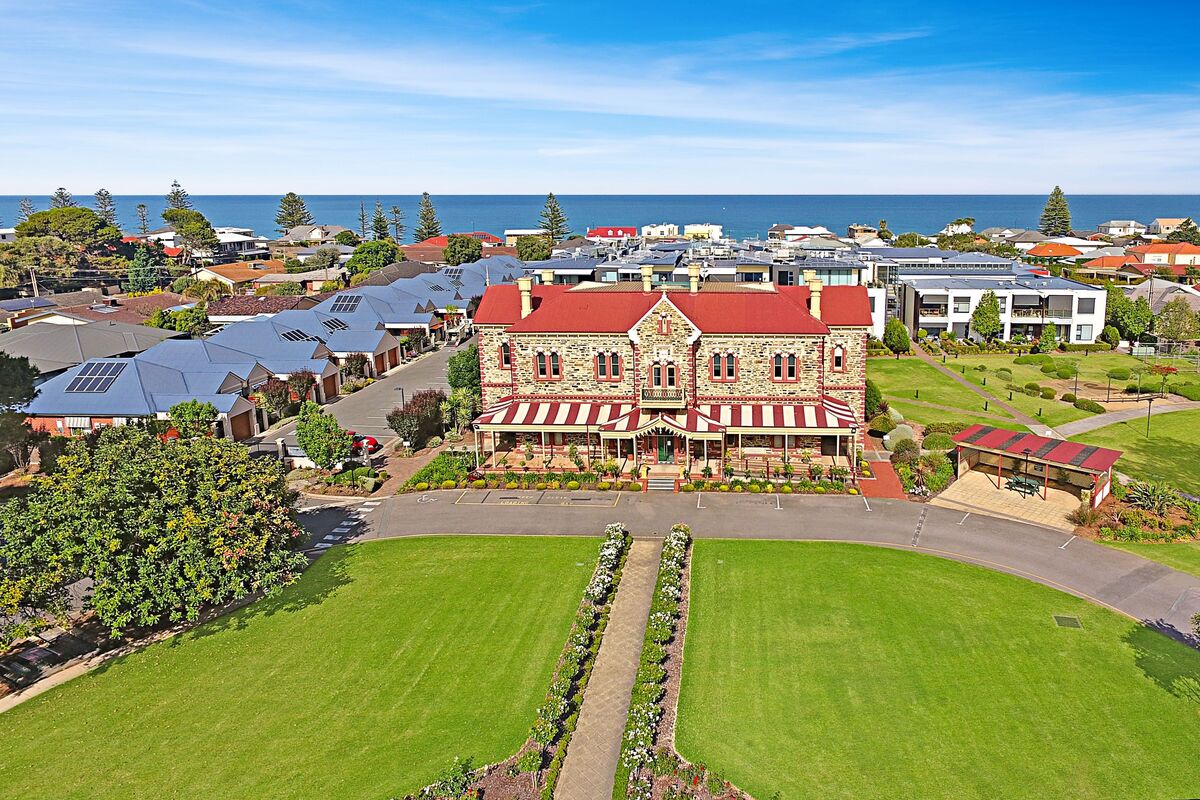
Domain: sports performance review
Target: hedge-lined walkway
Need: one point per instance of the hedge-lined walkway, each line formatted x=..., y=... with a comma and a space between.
x=592, y=756
x=1034, y=425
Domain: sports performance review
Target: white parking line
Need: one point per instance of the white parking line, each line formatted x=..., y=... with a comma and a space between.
x=777, y=506
x=698, y=496
x=864, y=499
x=1063, y=546
x=371, y=503
x=964, y=519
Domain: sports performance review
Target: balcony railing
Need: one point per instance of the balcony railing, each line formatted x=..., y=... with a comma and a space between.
x=1042, y=313
x=669, y=396
x=934, y=311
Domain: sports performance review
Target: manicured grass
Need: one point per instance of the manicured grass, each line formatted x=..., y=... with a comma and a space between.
x=1171, y=453
x=363, y=681
x=1183, y=556
x=925, y=414
x=1050, y=412
x=844, y=671
x=912, y=379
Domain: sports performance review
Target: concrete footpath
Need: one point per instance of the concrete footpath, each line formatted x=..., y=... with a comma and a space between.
x=595, y=748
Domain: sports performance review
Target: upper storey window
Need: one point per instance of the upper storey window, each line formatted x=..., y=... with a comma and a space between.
x=548, y=366
x=724, y=367
x=783, y=367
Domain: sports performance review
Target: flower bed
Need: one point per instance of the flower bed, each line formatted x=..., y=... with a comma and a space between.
x=532, y=773
x=1142, y=512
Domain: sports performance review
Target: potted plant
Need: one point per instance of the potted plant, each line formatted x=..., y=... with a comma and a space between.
x=816, y=470
x=806, y=455
x=707, y=472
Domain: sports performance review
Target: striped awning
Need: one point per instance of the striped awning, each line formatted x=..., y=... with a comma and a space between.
x=689, y=422
x=525, y=414
x=703, y=421
x=828, y=413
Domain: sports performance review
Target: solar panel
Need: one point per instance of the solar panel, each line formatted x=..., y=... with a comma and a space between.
x=979, y=434
x=95, y=377
x=345, y=304
x=1045, y=449
x=334, y=324
x=1010, y=441
x=437, y=287
x=1083, y=455
x=453, y=273
x=296, y=336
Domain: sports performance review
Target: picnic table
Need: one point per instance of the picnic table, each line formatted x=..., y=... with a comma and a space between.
x=1023, y=485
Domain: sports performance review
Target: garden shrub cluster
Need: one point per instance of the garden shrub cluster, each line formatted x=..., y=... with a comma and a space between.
x=419, y=419
x=937, y=441
x=923, y=474
x=1148, y=515
x=449, y=466
x=1188, y=391
x=645, y=707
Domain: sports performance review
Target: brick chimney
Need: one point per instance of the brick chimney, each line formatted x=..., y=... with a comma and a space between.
x=694, y=277
x=647, y=276
x=547, y=276
x=525, y=287
x=815, y=287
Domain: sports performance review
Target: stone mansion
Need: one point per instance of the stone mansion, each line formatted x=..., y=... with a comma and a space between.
x=671, y=380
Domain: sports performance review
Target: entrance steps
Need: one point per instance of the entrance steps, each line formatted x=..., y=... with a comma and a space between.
x=660, y=484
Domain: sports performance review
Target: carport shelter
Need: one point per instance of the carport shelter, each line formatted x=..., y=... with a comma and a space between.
x=1079, y=466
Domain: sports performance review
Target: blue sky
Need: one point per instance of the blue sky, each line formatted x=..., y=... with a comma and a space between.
x=528, y=97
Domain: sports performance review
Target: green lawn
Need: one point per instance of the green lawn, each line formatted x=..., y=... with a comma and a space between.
x=364, y=680
x=1183, y=556
x=924, y=415
x=1171, y=453
x=913, y=379
x=1050, y=412
x=845, y=671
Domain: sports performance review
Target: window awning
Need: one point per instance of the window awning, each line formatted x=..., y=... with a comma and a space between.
x=520, y=414
x=829, y=413
x=689, y=422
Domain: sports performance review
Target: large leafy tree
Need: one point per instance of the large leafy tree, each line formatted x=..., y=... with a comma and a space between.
x=1131, y=318
x=348, y=238
x=1056, y=214
x=1177, y=322
x=461, y=249
x=192, y=417
x=78, y=226
x=462, y=373
x=370, y=256
x=428, y=225
x=17, y=376
x=162, y=529
x=985, y=319
x=321, y=437
x=178, y=198
x=143, y=271
x=106, y=207
x=534, y=248
x=45, y=256
x=293, y=211
x=1186, y=232
x=322, y=258
x=554, y=220
x=911, y=239
x=193, y=230
x=895, y=336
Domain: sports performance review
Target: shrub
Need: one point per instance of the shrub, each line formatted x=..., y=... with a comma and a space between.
x=755, y=488
x=1065, y=373
x=480, y=484
x=900, y=434
x=444, y=467
x=819, y=490
x=1083, y=404
x=883, y=424
x=1084, y=516
x=687, y=487
x=1033, y=358
x=873, y=399
x=435, y=441
x=1155, y=497
x=1004, y=373
x=905, y=446
x=449, y=484
x=1098, y=347
x=1189, y=391
x=1033, y=386
x=1132, y=388
x=1047, y=393
x=946, y=427
x=937, y=441
x=922, y=333
x=603, y=486
x=724, y=487
x=1049, y=369
x=421, y=486
x=572, y=485
x=1111, y=335
x=786, y=489
x=510, y=485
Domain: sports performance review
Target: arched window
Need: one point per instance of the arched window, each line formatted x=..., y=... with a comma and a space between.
x=664, y=325
x=670, y=369
x=777, y=367
x=724, y=367
x=791, y=367
x=505, y=355
x=608, y=367
x=784, y=368
x=839, y=359
x=555, y=366
x=547, y=366
x=543, y=371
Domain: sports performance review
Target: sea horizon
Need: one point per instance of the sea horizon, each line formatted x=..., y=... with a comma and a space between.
x=742, y=215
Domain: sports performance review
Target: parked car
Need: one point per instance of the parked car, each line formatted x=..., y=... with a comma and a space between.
x=368, y=444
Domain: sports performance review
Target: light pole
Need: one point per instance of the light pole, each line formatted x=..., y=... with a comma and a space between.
x=854, y=451
x=1027, y=451
x=1149, y=405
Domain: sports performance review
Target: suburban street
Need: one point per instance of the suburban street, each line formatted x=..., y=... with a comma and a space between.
x=1152, y=593
x=366, y=410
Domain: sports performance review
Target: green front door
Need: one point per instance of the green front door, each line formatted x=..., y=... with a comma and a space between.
x=666, y=453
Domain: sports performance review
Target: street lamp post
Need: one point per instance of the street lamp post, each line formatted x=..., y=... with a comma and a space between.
x=1027, y=451
x=1149, y=405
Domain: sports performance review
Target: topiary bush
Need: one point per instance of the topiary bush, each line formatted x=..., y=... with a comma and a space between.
x=1068, y=398
x=1049, y=369
x=1033, y=358
x=937, y=441
x=1188, y=391
x=421, y=486
x=449, y=484
x=1119, y=374
x=1065, y=373
x=882, y=424
x=1083, y=404
x=1048, y=393
x=572, y=485
x=900, y=434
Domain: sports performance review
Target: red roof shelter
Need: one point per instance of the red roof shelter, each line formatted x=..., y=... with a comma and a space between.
x=1024, y=449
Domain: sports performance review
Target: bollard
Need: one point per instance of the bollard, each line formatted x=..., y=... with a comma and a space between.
x=1010, y=394
x=985, y=405
x=917, y=396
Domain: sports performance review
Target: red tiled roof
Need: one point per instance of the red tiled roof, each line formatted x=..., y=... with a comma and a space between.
x=1110, y=262
x=1178, y=270
x=1074, y=455
x=442, y=241
x=1053, y=250
x=1170, y=248
x=784, y=310
x=612, y=232
x=134, y=310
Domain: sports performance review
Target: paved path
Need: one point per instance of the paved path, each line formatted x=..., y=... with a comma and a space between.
x=1146, y=591
x=1124, y=415
x=595, y=748
x=1034, y=425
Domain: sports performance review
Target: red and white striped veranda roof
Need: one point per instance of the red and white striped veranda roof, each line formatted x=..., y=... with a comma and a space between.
x=703, y=420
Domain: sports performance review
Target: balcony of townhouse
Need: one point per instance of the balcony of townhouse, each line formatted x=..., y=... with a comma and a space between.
x=932, y=313
x=1038, y=312
x=663, y=397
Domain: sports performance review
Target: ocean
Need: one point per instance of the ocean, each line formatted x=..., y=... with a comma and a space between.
x=743, y=216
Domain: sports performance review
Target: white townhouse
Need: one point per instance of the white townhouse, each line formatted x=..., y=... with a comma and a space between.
x=1121, y=227
x=1028, y=303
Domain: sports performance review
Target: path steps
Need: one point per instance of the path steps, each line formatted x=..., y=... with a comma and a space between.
x=595, y=748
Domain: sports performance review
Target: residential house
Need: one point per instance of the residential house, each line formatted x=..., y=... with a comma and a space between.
x=240, y=307
x=1158, y=293
x=660, y=230
x=1105, y=268
x=703, y=230
x=1051, y=253
x=8, y=235
x=1164, y=226
x=1025, y=240
x=233, y=244
x=673, y=379
x=485, y=238
x=311, y=234
x=96, y=307
x=512, y=234
x=239, y=278
x=856, y=231
x=1121, y=227
x=1028, y=303
x=393, y=272
x=54, y=349
x=311, y=281
x=1167, y=253
x=612, y=233
x=1082, y=245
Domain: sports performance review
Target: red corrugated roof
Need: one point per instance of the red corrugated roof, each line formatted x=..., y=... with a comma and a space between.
x=1170, y=248
x=442, y=241
x=612, y=232
x=1110, y=262
x=1041, y=448
x=785, y=310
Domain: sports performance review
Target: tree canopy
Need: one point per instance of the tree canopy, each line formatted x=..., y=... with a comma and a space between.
x=143, y=271
x=321, y=437
x=553, y=220
x=1177, y=322
x=895, y=336
x=1186, y=232
x=347, y=238
x=534, y=248
x=911, y=239
x=322, y=258
x=397, y=215
x=1131, y=318
x=293, y=211
x=379, y=223
x=163, y=529
x=178, y=198
x=195, y=233
x=45, y=255
x=73, y=224
x=106, y=207
x=1056, y=214
x=428, y=224
x=462, y=249
x=985, y=319
x=192, y=417
x=61, y=199
x=370, y=256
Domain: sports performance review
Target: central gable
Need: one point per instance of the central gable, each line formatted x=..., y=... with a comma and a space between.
x=650, y=324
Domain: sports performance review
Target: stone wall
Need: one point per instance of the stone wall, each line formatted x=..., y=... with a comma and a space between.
x=754, y=355
x=578, y=357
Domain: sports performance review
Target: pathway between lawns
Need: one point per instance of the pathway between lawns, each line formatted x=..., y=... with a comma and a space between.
x=1086, y=424
x=592, y=756
x=1034, y=425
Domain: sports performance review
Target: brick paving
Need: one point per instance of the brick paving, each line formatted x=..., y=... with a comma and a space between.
x=595, y=748
x=884, y=484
